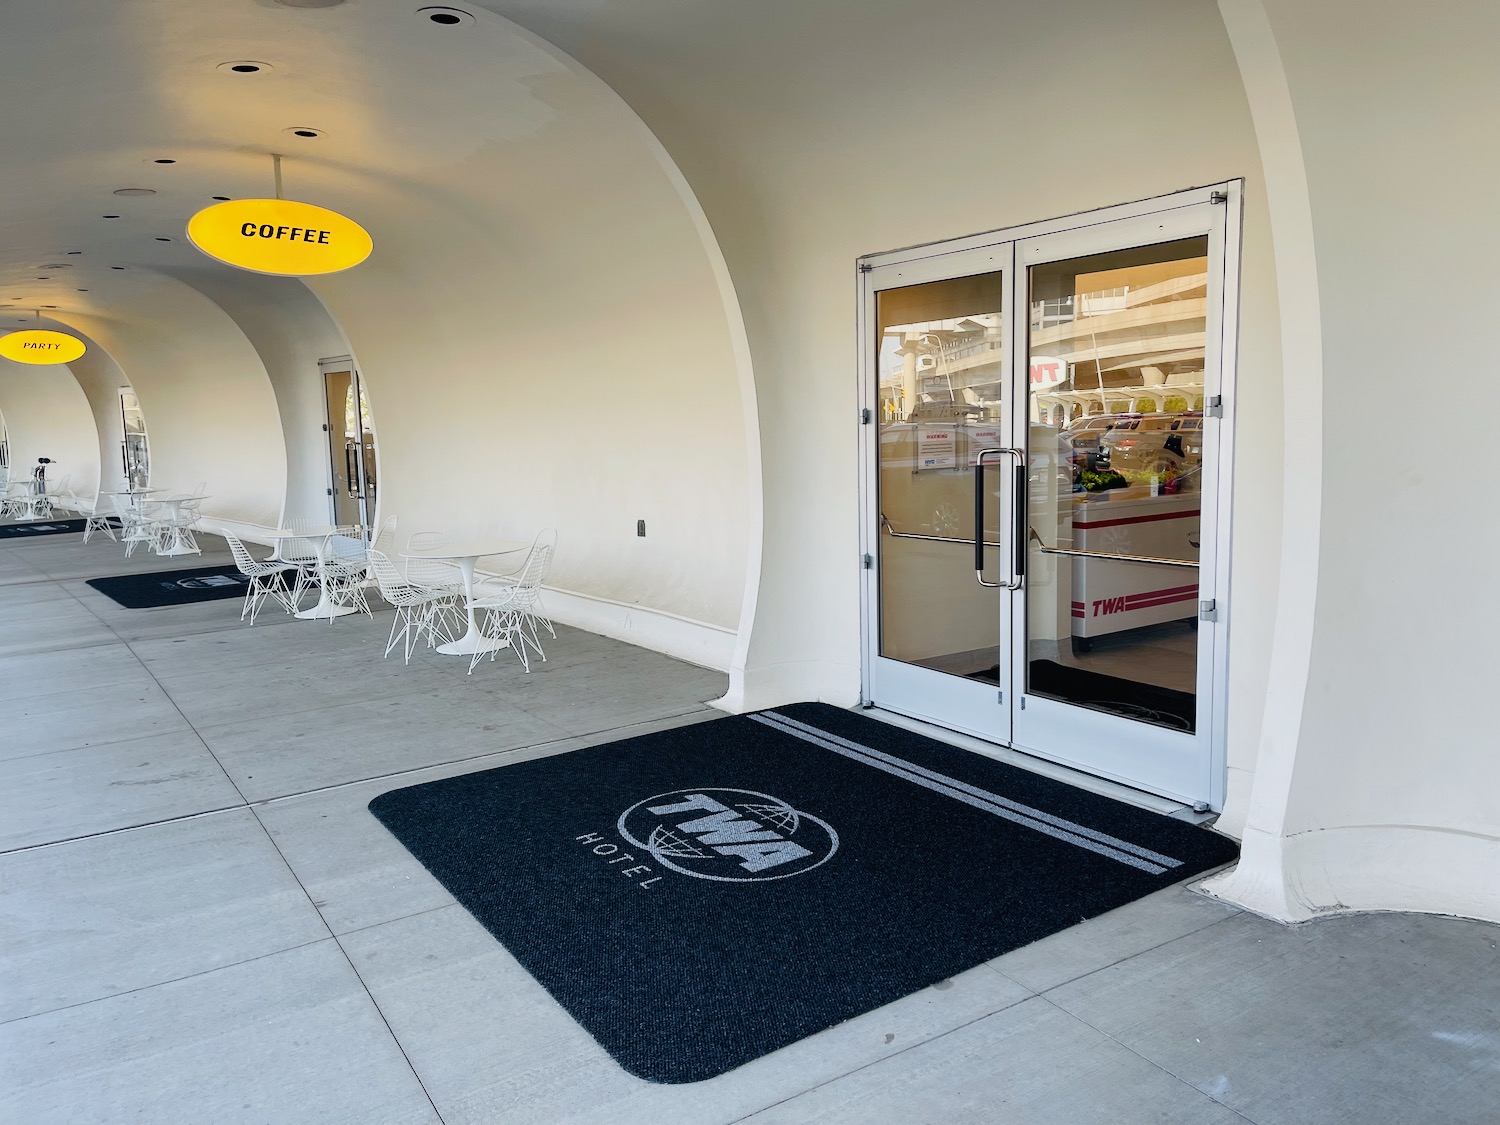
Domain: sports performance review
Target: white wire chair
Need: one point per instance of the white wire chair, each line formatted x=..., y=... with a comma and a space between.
x=418, y=608
x=345, y=567
x=437, y=574
x=510, y=604
x=177, y=524
x=385, y=538
x=267, y=578
x=138, y=524
x=302, y=553
x=536, y=613
x=95, y=518
x=13, y=501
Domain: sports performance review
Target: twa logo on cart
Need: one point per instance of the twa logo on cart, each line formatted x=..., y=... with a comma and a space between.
x=1148, y=600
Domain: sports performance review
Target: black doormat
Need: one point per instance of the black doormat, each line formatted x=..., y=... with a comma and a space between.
x=1146, y=702
x=174, y=587
x=39, y=527
x=700, y=897
x=1128, y=698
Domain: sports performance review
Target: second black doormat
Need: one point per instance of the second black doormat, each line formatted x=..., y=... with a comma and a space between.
x=32, y=528
x=174, y=587
x=703, y=896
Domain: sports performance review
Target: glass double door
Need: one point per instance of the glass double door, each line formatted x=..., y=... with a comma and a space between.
x=1042, y=462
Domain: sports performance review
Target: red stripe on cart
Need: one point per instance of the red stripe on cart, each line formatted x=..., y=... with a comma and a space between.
x=1139, y=519
x=1187, y=591
x=1160, y=601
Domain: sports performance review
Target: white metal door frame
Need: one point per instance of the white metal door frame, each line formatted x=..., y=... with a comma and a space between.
x=1007, y=250
x=922, y=693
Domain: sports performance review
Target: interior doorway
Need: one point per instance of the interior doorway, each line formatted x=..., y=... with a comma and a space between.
x=351, y=444
x=1045, y=451
x=135, y=454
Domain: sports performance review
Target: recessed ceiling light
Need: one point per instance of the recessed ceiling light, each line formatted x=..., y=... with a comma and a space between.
x=56, y=266
x=75, y=251
x=49, y=306
x=162, y=238
x=304, y=131
x=164, y=160
x=309, y=3
x=111, y=216
x=44, y=279
x=244, y=66
x=83, y=291
x=133, y=191
x=446, y=17
x=221, y=198
x=116, y=267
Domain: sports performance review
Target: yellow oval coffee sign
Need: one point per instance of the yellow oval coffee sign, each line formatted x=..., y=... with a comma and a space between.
x=37, y=345
x=279, y=236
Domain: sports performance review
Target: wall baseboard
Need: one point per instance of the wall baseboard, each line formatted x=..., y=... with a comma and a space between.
x=697, y=642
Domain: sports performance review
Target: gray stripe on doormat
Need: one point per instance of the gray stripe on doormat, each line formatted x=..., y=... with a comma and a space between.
x=1122, y=851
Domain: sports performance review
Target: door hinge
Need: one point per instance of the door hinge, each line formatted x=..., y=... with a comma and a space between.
x=1214, y=406
x=330, y=492
x=865, y=267
x=1218, y=197
x=867, y=561
x=325, y=427
x=1208, y=610
x=999, y=697
x=1023, y=703
x=866, y=416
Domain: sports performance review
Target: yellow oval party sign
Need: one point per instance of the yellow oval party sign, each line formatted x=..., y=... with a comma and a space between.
x=37, y=345
x=279, y=236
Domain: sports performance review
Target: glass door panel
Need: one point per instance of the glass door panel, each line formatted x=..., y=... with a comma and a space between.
x=135, y=455
x=351, y=447
x=939, y=365
x=1122, y=350
x=1117, y=460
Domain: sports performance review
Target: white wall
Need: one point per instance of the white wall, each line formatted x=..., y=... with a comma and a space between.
x=813, y=134
x=1378, y=789
x=101, y=379
x=211, y=415
x=47, y=415
x=543, y=338
x=290, y=331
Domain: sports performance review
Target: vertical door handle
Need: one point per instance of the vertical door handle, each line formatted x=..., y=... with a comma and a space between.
x=351, y=470
x=1022, y=524
x=1019, y=568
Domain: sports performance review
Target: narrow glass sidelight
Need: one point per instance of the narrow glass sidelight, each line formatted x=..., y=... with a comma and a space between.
x=940, y=356
x=1116, y=350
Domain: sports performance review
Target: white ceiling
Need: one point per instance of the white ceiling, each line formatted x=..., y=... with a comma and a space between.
x=97, y=90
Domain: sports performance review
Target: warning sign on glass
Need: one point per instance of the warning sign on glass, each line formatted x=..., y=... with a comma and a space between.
x=937, y=447
x=982, y=438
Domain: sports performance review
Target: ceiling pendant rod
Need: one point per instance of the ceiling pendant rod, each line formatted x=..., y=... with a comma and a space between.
x=276, y=165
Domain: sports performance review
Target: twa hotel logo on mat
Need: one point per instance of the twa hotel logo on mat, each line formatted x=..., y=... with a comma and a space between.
x=726, y=835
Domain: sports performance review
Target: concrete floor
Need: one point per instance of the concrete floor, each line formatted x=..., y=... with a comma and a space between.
x=202, y=923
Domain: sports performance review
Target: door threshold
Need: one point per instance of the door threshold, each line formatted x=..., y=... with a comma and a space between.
x=1066, y=774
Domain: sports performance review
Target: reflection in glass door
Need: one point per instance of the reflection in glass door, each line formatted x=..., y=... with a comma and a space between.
x=135, y=456
x=1117, y=467
x=351, y=445
x=1043, y=504
x=939, y=353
